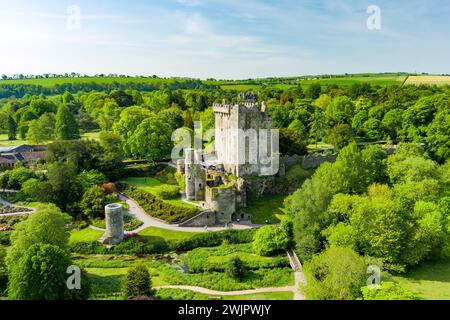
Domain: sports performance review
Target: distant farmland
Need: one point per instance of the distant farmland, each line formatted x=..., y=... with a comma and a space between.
x=381, y=80
x=430, y=80
x=51, y=82
x=239, y=85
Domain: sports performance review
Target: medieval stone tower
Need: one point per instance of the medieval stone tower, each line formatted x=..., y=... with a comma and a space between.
x=239, y=140
x=242, y=135
x=194, y=175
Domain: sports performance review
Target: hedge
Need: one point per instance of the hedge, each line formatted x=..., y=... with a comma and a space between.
x=168, y=192
x=156, y=207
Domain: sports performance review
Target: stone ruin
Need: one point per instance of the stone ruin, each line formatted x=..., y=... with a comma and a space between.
x=114, y=224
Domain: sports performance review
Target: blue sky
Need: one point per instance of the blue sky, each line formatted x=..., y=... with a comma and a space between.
x=224, y=38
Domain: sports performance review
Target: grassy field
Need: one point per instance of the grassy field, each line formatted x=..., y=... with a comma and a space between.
x=106, y=273
x=4, y=142
x=270, y=207
x=86, y=234
x=431, y=80
x=152, y=185
x=345, y=81
x=348, y=81
x=152, y=233
x=430, y=280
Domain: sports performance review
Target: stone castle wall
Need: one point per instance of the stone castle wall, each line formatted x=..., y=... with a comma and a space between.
x=311, y=161
x=222, y=200
x=204, y=218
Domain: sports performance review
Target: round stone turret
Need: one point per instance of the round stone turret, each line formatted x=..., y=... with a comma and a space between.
x=114, y=224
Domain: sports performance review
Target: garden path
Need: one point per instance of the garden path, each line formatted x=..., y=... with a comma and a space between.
x=137, y=212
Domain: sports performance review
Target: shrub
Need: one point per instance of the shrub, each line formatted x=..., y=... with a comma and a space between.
x=5, y=238
x=137, y=283
x=388, y=291
x=235, y=268
x=181, y=180
x=93, y=247
x=130, y=223
x=168, y=191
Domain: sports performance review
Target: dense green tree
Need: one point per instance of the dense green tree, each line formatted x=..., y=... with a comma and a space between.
x=42, y=129
x=319, y=126
x=438, y=136
x=136, y=282
x=392, y=123
x=307, y=207
x=314, y=91
x=123, y=99
x=172, y=116
x=109, y=114
x=151, y=140
x=66, y=189
x=340, y=136
x=40, y=274
x=46, y=225
x=92, y=178
x=66, y=127
x=341, y=110
x=335, y=274
x=375, y=162
x=12, y=128
x=269, y=240
x=130, y=119
x=111, y=159
x=421, y=114
x=13, y=179
x=373, y=129
x=40, y=106
x=359, y=119
x=93, y=202
x=291, y=142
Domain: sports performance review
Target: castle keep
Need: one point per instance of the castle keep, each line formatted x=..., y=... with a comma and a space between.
x=244, y=150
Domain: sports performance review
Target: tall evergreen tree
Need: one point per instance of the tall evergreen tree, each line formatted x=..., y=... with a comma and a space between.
x=66, y=125
x=12, y=128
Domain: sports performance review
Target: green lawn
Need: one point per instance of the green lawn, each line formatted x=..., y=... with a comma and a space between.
x=4, y=142
x=152, y=185
x=430, y=280
x=269, y=207
x=152, y=233
x=85, y=235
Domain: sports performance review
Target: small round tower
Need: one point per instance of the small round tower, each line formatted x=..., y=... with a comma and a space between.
x=114, y=224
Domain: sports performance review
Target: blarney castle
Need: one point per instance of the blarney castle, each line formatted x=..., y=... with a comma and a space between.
x=245, y=157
